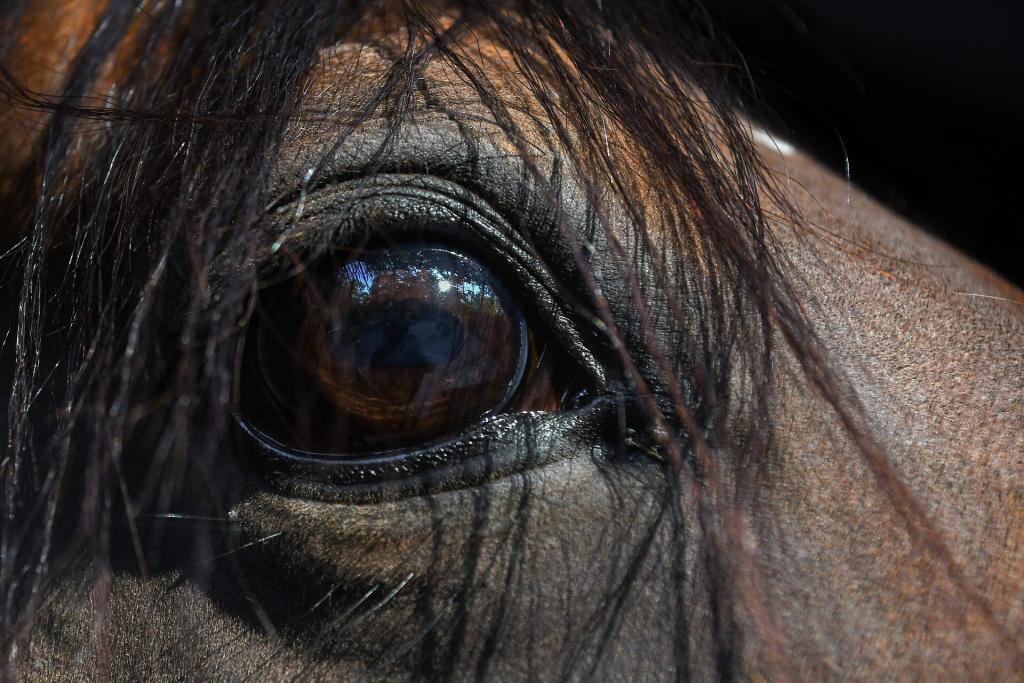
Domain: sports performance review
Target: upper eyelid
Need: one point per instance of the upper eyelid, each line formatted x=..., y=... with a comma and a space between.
x=562, y=214
x=539, y=197
x=474, y=154
x=430, y=148
x=358, y=209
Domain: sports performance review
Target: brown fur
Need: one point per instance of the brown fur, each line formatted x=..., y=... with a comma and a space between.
x=929, y=342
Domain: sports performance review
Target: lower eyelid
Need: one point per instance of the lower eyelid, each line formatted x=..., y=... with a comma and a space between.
x=496, y=448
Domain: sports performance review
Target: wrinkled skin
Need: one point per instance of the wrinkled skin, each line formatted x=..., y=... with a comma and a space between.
x=929, y=341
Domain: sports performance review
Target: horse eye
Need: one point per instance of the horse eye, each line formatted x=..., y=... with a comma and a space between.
x=388, y=349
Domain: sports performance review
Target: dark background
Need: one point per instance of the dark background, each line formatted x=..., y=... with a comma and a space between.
x=925, y=99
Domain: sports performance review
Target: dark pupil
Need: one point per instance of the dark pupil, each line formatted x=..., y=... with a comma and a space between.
x=397, y=347
x=407, y=335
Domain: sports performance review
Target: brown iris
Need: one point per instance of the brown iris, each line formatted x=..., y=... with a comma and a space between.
x=394, y=348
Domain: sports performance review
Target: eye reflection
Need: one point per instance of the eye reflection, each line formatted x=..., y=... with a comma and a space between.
x=395, y=348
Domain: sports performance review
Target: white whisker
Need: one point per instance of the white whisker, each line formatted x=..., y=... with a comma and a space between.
x=240, y=548
x=991, y=296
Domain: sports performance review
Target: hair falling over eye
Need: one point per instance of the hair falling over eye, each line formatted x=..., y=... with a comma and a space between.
x=155, y=168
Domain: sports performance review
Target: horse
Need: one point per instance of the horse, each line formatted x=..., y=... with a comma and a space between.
x=361, y=340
